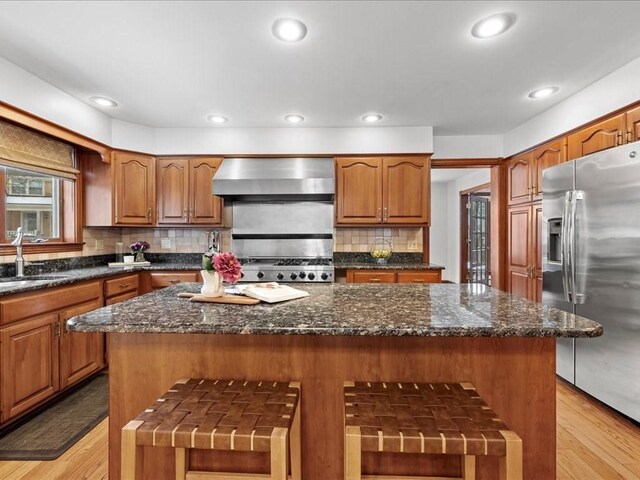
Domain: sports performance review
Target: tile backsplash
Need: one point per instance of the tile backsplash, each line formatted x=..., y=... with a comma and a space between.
x=359, y=239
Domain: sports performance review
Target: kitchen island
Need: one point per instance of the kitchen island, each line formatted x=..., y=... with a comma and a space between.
x=412, y=333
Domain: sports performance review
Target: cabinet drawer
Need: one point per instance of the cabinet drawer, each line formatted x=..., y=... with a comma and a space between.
x=47, y=300
x=373, y=277
x=419, y=277
x=166, y=279
x=120, y=285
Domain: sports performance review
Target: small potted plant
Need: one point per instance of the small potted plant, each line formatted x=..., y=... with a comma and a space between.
x=216, y=268
x=138, y=248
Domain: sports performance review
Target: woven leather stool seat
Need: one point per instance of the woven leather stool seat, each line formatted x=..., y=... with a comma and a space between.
x=429, y=418
x=253, y=416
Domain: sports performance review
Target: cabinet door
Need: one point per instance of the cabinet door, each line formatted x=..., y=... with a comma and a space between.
x=544, y=157
x=601, y=136
x=519, y=250
x=359, y=190
x=519, y=179
x=205, y=208
x=536, y=294
x=134, y=187
x=173, y=190
x=29, y=366
x=405, y=189
x=81, y=354
x=371, y=276
x=633, y=125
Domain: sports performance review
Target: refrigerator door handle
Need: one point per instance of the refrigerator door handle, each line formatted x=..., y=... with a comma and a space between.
x=578, y=297
x=565, y=247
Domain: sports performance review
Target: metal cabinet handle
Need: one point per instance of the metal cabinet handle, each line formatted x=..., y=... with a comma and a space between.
x=386, y=214
x=379, y=214
x=173, y=280
x=184, y=214
x=149, y=214
x=374, y=280
x=124, y=285
x=418, y=280
x=629, y=135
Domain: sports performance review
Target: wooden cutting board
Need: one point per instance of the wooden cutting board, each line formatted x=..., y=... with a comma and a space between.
x=236, y=299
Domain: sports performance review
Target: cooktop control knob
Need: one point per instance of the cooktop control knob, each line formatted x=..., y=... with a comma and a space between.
x=260, y=274
x=280, y=276
x=302, y=274
x=293, y=276
x=324, y=276
x=311, y=276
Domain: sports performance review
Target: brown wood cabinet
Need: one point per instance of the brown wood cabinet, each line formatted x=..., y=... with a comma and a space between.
x=524, y=251
x=184, y=191
x=38, y=357
x=29, y=364
x=394, y=276
x=134, y=190
x=605, y=134
x=524, y=178
x=633, y=125
x=375, y=190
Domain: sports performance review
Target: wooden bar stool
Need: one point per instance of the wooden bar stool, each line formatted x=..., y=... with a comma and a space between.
x=219, y=415
x=428, y=418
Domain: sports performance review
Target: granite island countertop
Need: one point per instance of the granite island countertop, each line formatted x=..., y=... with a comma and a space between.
x=448, y=310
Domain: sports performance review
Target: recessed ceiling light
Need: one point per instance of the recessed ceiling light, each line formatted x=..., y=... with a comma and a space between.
x=104, y=102
x=493, y=25
x=217, y=119
x=543, y=92
x=289, y=29
x=294, y=118
x=371, y=118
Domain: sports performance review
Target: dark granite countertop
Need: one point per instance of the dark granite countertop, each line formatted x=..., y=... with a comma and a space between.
x=448, y=310
x=67, y=277
x=387, y=266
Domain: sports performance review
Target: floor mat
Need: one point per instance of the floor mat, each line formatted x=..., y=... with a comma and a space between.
x=51, y=432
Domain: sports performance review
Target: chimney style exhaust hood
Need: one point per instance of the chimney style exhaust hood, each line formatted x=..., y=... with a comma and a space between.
x=275, y=178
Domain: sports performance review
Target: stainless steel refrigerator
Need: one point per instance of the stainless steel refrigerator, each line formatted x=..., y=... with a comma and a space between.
x=591, y=267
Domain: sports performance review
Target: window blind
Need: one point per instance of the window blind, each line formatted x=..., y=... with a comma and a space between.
x=22, y=148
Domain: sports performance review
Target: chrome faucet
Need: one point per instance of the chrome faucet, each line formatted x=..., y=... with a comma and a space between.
x=17, y=242
x=214, y=241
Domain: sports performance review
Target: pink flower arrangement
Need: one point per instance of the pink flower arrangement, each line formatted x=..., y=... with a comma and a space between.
x=225, y=263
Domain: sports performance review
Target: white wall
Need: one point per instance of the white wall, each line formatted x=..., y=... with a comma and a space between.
x=292, y=140
x=444, y=233
x=614, y=91
x=467, y=146
x=438, y=229
x=28, y=92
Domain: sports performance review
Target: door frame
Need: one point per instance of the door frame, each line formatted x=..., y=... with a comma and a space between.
x=464, y=226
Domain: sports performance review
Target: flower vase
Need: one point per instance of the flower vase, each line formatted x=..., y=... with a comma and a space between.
x=139, y=257
x=211, y=284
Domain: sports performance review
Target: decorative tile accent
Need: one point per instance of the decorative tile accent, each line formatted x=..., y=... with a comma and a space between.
x=359, y=239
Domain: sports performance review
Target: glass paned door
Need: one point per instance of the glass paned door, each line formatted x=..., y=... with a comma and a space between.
x=478, y=241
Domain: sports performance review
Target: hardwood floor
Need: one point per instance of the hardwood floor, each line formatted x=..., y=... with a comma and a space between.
x=593, y=444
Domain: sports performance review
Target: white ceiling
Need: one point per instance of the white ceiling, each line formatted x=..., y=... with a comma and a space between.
x=170, y=64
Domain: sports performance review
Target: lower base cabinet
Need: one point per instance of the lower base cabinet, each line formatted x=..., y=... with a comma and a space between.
x=394, y=276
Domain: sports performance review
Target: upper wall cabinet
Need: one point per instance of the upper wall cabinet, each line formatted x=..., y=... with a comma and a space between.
x=134, y=189
x=606, y=134
x=184, y=191
x=633, y=125
x=375, y=190
x=524, y=179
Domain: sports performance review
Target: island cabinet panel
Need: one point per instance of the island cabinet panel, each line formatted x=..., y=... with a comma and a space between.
x=375, y=190
x=515, y=376
x=184, y=191
x=29, y=364
x=359, y=190
x=173, y=190
x=405, y=190
x=81, y=354
x=606, y=134
x=134, y=188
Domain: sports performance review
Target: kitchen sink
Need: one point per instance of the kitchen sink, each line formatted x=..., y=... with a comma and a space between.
x=11, y=282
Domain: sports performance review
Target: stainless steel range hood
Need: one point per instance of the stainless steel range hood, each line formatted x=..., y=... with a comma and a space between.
x=275, y=178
